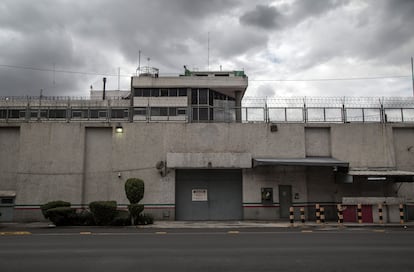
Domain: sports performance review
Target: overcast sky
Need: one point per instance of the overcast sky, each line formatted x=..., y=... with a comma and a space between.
x=281, y=45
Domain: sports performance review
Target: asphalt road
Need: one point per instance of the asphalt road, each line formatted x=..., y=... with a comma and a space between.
x=362, y=250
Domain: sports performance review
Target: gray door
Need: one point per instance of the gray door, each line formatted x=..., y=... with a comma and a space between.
x=208, y=195
x=6, y=209
x=285, y=200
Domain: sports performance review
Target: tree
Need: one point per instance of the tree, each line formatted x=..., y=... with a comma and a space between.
x=134, y=190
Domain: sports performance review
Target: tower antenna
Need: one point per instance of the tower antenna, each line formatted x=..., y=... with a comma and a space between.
x=208, y=51
x=412, y=73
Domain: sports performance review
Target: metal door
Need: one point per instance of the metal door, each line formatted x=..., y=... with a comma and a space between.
x=6, y=209
x=285, y=200
x=208, y=195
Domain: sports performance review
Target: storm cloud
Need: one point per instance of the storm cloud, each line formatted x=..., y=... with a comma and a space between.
x=63, y=46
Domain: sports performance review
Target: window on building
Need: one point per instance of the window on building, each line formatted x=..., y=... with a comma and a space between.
x=146, y=92
x=202, y=96
x=155, y=92
x=16, y=113
x=159, y=111
x=164, y=92
x=98, y=113
x=79, y=113
x=138, y=92
x=33, y=113
x=172, y=111
x=181, y=111
x=57, y=114
x=3, y=114
x=182, y=92
x=119, y=113
x=194, y=96
x=173, y=92
x=203, y=114
x=140, y=111
x=195, y=114
x=164, y=111
x=43, y=113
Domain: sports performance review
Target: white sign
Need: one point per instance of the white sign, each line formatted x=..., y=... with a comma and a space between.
x=199, y=195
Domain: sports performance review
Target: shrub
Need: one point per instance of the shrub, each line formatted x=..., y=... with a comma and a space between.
x=134, y=189
x=83, y=218
x=53, y=204
x=103, y=211
x=122, y=218
x=61, y=216
x=135, y=210
x=145, y=219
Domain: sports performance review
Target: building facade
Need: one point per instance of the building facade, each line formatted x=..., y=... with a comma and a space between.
x=201, y=157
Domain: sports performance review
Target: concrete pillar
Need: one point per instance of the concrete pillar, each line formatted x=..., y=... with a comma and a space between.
x=189, y=106
x=238, y=98
x=131, y=106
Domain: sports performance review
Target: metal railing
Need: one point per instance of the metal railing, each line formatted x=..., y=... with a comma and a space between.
x=275, y=110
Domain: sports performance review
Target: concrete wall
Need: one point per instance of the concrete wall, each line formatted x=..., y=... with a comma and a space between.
x=9, y=157
x=271, y=177
x=318, y=142
x=404, y=159
x=363, y=145
x=81, y=162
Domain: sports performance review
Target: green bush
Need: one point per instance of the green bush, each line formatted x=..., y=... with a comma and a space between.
x=145, y=219
x=53, y=204
x=134, y=189
x=135, y=210
x=83, y=218
x=122, y=218
x=61, y=216
x=103, y=211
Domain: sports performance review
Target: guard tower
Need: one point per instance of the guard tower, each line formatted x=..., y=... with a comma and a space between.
x=195, y=96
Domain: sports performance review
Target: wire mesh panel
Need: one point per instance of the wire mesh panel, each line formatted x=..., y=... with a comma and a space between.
x=277, y=114
x=354, y=115
x=372, y=115
x=315, y=115
x=294, y=115
x=253, y=114
x=334, y=115
x=408, y=115
x=393, y=115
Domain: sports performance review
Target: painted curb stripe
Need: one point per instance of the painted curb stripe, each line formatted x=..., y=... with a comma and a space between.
x=15, y=233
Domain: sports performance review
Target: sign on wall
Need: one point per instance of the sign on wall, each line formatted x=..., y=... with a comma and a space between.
x=199, y=195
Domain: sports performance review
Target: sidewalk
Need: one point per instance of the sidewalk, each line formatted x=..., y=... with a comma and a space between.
x=46, y=226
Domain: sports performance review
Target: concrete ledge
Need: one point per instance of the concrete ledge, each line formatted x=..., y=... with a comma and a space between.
x=209, y=160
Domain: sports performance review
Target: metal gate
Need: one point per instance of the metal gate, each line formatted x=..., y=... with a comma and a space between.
x=208, y=195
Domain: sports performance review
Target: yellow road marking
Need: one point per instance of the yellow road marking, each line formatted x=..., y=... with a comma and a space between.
x=379, y=230
x=85, y=233
x=307, y=231
x=15, y=233
x=233, y=232
x=161, y=232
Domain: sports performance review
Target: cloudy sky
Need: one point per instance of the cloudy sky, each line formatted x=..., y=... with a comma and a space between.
x=286, y=47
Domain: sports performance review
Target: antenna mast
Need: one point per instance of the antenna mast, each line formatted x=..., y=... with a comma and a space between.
x=412, y=73
x=119, y=78
x=139, y=62
x=208, y=51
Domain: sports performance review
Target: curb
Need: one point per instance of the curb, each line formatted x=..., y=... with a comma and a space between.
x=9, y=233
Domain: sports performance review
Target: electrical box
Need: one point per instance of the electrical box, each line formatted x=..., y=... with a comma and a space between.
x=267, y=196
